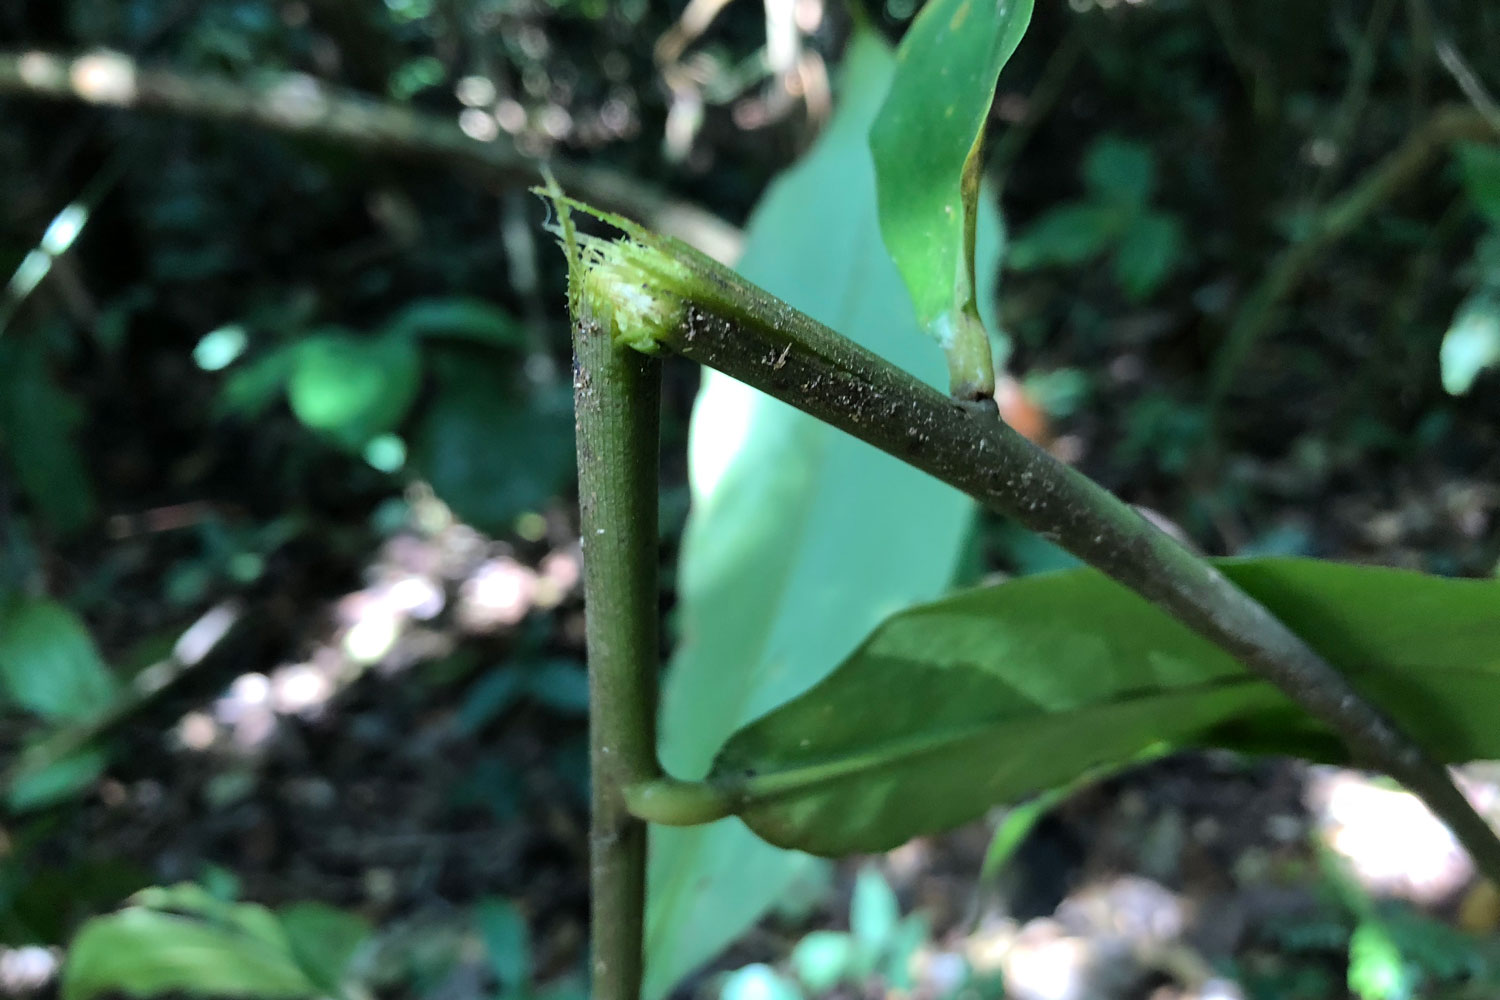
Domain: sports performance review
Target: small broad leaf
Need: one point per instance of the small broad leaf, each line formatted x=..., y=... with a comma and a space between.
x=459, y=319
x=1376, y=968
x=1068, y=234
x=323, y=940
x=822, y=960
x=1148, y=251
x=1471, y=344
x=998, y=693
x=491, y=449
x=182, y=940
x=1479, y=165
x=758, y=982
x=354, y=388
x=926, y=146
x=53, y=781
x=48, y=662
x=1121, y=172
x=252, y=387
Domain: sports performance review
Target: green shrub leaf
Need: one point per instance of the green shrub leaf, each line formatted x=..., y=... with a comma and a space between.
x=492, y=449
x=926, y=146
x=324, y=940
x=999, y=693
x=1479, y=165
x=1120, y=172
x=353, y=388
x=800, y=538
x=49, y=664
x=1148, y=251
x=38, y=424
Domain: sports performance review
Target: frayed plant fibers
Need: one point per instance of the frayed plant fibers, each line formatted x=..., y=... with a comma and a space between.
x=631, y=287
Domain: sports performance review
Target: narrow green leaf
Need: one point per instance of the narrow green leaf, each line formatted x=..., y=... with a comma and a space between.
x=981, y=698
x=53, y=781
x=353, y=388
x=926, y=147
x=49, y=664
x=780, y=578
x=873, y=916
x=1479, y=165
x=176, y=941
x=507, y=939
x=38, y=425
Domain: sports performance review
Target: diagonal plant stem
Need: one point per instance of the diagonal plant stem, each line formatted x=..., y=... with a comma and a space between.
x=617, y=400
x=658, y=294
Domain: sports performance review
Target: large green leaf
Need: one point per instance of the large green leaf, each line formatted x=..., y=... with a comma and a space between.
x=49, y=664
x=925, y=143
x=183, y=941
x=800, y=538
x=1001, y=692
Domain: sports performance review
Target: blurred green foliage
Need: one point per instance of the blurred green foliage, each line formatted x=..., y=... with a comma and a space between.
x=292, y=334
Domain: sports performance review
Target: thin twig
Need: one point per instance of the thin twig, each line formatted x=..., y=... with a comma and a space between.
x=297, y=104
x=1468, y=81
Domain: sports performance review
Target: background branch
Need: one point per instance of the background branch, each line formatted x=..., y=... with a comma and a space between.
x=300, y=105
x=1379, y=185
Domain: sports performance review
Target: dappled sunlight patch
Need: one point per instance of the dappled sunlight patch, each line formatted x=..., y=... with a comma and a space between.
x=1393, y=843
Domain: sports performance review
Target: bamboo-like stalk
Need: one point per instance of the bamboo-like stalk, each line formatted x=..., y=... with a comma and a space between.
x=617, y=395
x=661, y=295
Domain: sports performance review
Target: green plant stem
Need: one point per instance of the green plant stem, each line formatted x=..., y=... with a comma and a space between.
x=1378, y=186
x=617, y=395
x=710, y=315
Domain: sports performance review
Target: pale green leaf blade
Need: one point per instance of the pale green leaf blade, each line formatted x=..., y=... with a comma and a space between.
x=800, y=538
x=925, y=141
x=1471, y=344
x=49, y=664
x=981, y=698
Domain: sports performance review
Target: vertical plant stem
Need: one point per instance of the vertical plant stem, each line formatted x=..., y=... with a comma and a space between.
x=617, y=394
